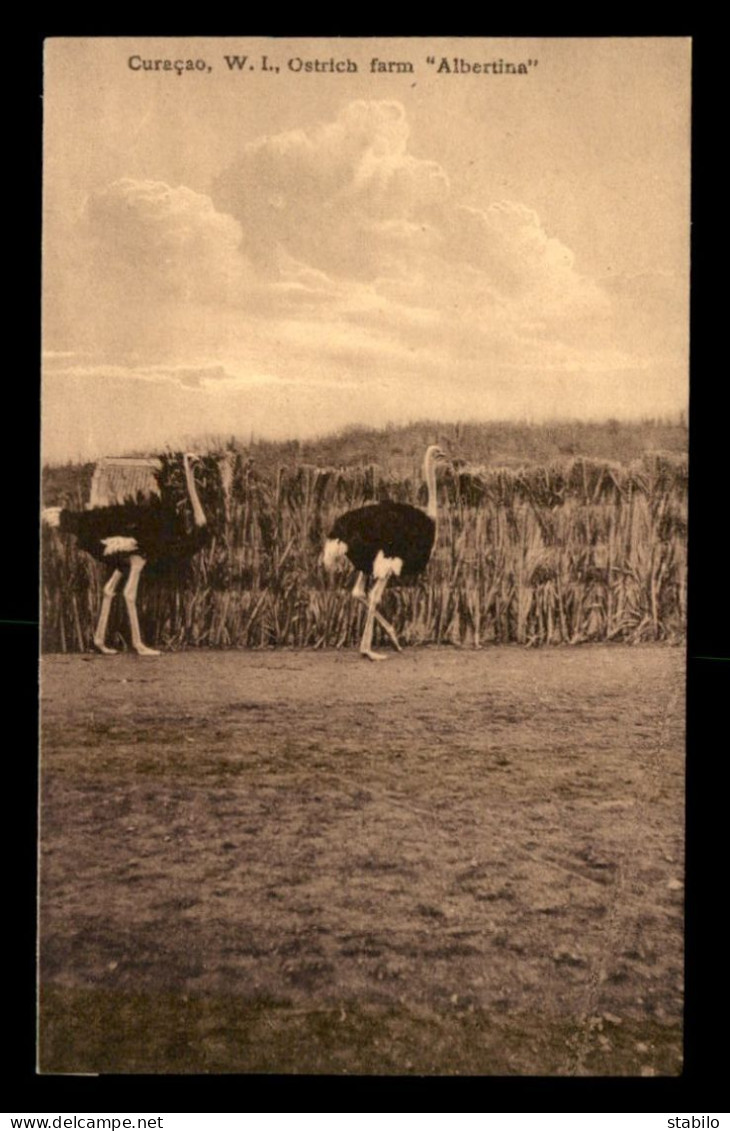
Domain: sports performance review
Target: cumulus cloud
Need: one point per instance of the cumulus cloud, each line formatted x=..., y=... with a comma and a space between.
x=347, y=199
x=167, y=242
x=341, y=222
x=313, y=220
x=343, y=196
x=332, y=257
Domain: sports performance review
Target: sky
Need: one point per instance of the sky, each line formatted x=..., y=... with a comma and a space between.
x=288, y=248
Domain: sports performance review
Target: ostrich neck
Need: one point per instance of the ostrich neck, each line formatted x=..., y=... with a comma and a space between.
x=198, y=512
x=429, y=474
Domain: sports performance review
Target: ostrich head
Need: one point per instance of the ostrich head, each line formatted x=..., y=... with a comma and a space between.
x=434, y=456
x=197, y=468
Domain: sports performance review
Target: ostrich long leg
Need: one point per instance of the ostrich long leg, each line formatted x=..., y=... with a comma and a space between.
x=360, y=594
x=106, y=603
x=367, y=637
x=136, y=565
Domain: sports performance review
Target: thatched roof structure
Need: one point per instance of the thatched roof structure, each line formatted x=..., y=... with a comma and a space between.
x=117, y=478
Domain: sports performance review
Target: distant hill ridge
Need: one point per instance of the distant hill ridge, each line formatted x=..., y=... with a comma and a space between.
x=398, y=450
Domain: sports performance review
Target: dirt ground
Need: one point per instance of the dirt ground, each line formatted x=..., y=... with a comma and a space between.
x=456, y=862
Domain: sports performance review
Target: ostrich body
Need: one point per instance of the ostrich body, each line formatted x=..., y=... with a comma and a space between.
x=125, y=537
x=384, y=540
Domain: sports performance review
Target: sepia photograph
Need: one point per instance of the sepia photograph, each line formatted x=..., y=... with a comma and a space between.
x=363, y=556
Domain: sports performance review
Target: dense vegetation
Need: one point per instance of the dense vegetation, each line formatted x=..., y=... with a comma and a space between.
x=581, y=539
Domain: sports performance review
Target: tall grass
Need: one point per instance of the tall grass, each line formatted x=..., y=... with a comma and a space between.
x=573, y=551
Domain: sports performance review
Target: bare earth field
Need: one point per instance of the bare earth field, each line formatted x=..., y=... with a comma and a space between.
x=455, y=862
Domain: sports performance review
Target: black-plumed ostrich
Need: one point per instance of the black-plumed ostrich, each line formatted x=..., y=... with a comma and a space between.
x=126, y=536
x=384, y=540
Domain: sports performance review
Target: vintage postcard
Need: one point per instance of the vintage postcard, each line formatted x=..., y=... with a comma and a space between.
x=364, y=441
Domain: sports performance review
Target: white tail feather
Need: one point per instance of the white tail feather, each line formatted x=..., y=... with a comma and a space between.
x=334, y=552
x=119, y=545
x=385, y=567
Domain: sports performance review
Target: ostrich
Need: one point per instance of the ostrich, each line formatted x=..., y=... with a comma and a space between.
x=127, y=536
x=383, y=540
